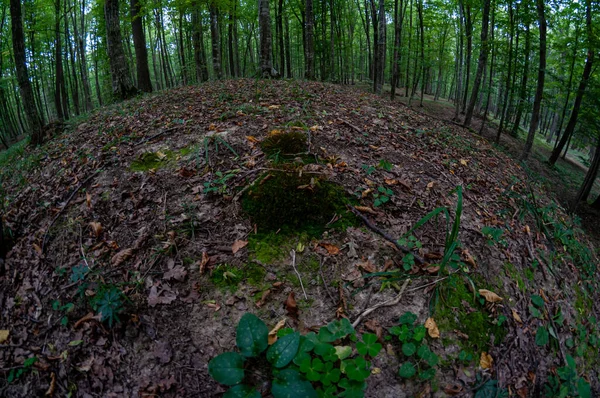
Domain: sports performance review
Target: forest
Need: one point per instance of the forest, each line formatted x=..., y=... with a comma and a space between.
x=299, y=198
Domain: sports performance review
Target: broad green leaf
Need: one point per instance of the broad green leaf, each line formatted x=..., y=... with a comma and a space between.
x=284, y=350
x=541, y=336
x=338, y=329
x=357, y=369
x=290, y=384
x=227, y=368
x=407, y=370
x=343, y=352
x=407, y=318
x=369, y=346
x=409, y=349
x=419, y=333
x=251, y=336
x=427, y=374
x=537, y=301
x=584, y=389
x=352, y=388
x=242, y=391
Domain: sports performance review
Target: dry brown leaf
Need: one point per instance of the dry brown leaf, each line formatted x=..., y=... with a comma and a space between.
x=121, y=257
x=464, y=162
x=366, y=192
x=468, y=258
x=390, y=181
x=252, y=139
x=453, y=390
x=263, y=299
x=516, y=316
x=204, y=262
x=52, y=387
x=432, y=328
x=430, y=185
x=291, y=307
x=37, y=248
x=273, y=333
x=4, y=336
x=490, y=296
x=486, y=360
x=88, y=200
x=331, y=249
x=367, y=266
x=365, y=209
x=238, y=245
x=272, y=107
x=96, y=228
x=157, y=297
x=177, y=273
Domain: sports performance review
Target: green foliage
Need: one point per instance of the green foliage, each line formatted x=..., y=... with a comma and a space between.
x=15, y=374
x=218, y=185
x=368, y=169
x=108, y=301
x=382, y=196
x=385, y=165
x=301, y=366
x=412, y=243
x=493, y=235
x=67, y=308
x=567, y=383
x=79, y=272
x=420, y=360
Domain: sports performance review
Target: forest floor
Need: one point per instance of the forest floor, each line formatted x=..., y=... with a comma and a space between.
x=144, y=232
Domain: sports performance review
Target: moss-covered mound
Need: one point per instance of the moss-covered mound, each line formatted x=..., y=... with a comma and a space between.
x=289, y=200
x=285, y=143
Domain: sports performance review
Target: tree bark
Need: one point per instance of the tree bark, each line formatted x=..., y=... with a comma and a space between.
x=588, y=182
x=523, y=89
x=81, y=52
x=215, y=40
x=398, y=17
x=18, y=41
x=587, y=70
x=266, y=42
x=59, y=78
x=139, y=44
x=539, y=92
x=122, y=87
x=198, y=42
x=309, y=48
x=507, y=90
x=381, y=41
x=481, y=63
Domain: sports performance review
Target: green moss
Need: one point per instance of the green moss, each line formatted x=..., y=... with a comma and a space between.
x=254, y=274
x=512, y=272
x=285, y=143
x=152, y=161
x=228, y=277
x=451, y=313
x=268, y=247
x=292, y=203
x=529, y=274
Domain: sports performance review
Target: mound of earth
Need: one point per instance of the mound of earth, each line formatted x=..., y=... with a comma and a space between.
x=137, y=250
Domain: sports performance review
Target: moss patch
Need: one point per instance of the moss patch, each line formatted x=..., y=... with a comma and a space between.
x=292, y=203
x=285, y=143
x=228, y=277
x=152, y=161
x=457, y=309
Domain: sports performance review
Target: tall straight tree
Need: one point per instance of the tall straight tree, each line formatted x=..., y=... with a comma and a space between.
x=481, y=63
x=523, y=89
x=60, y=91
x=266, y=40
x=587, y=71
x=539, y=91
x=139, y=43
x=381, y=41
x=215, y=37
x=198, y=41
x=309, y=40
x=122, y=87
x=398, y=17
x=28, y=99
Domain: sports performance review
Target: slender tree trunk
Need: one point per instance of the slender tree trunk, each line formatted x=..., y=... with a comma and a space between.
x=266, y=44
x=74, y=80
x=397, y=37
x=381, y=41
x=198, y=41
x=59, y=79
x=81, y=52
x=422, y=34
x=539, y=92
x=491, y=77
x=523, y=89
x=122, y=86
x=588, y=182
x=483, y=54
x=215, y=40
x=309, y=39
x=506, y=91
x=459, y=64
x=139, y=44
x=469, y=36
x=18, y=39
x=587, y=71
x=288, y=49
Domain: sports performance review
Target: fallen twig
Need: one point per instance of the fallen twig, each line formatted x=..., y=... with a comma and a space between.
x=45, y=239
x=387, y=237
x=293, y=254
x=387, y=303
x=159, y=134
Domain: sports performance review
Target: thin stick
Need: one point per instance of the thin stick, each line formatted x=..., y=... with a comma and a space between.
x=323, y=279
x=45, y=239
x=387, y=303
x=293, y=254
x=385, y=235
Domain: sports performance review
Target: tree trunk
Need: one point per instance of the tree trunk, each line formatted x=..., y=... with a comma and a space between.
x=381, y=41
x=81, y=52
x=590, y=178
x=139, y=44
x=587, y=70
x=59, y=79
x=506, y=89
x=469, y=35
x=483, y=54
x=398, y=16
x=309, y=48
x=491, y=77
x=215, y=40
x=266, y=44
x=198, y=41
x=523, y=89
x=122, y=87
x=18, y=41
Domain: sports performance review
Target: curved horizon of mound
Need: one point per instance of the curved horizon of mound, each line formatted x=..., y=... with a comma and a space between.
x=140, y=244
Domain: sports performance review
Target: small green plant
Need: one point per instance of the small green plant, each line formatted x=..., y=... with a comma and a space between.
x=382, y=196
x=108, y=301
x=385, y=165
x=567, y=382
x=67, y=308
x=493, y=235
x=368, y=169
x=79, y=272
x=218, y=186
x=14, y=374
x=313, y=365
x=410, y=242
x=420, y=360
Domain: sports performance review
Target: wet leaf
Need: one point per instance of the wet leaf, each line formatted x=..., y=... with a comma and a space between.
x=251, y=335
x=238, y=245
x=331, y=248
x=227, y=368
